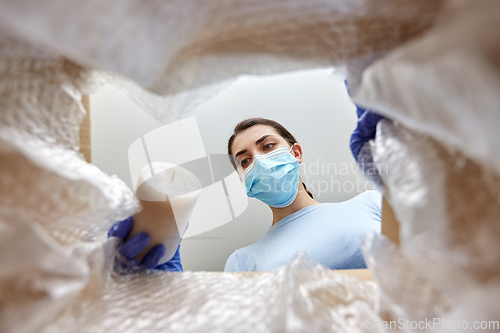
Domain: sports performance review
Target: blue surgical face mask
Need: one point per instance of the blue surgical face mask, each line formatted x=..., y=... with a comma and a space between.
x=273, y=178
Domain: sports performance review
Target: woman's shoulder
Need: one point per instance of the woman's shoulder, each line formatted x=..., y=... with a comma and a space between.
x=240, y=259
x=233, y=263
x=373, y=195
x=370, y=198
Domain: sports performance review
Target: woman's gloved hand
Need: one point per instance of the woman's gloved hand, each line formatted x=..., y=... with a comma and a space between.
x=135, y=245
x=360, y=147
x=365, y=130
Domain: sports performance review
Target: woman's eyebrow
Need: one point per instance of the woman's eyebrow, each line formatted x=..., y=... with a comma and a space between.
x=240, y=152
x=262, y=138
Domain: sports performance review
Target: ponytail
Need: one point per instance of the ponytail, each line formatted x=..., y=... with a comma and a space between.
x=308, y=192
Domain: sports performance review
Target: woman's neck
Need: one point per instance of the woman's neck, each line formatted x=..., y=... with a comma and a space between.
x=302, y=200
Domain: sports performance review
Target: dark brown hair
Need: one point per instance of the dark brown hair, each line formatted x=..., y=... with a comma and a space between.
x=247, y=123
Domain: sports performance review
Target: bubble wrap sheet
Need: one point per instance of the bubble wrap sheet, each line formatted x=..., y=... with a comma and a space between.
x=447, y=265
x=55, y=278
x=443, y=181
x=302, y=296
x=42, y=174
x=452, y=74
x=177, y=46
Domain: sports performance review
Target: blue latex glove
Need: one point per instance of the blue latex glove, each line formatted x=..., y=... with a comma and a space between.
x=174, y=264
x=137, y=243
x=365, y=130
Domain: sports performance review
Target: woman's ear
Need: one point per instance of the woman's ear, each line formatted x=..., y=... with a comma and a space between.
x=297, y=152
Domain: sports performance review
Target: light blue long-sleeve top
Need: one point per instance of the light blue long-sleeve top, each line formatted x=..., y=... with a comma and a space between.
x=328, y=232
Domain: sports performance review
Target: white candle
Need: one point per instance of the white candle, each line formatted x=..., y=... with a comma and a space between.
x=168, y=194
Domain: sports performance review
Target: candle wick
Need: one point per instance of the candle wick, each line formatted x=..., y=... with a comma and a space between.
x=173, y=174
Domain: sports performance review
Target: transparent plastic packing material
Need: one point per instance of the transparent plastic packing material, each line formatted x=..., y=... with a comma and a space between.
x=186, y=50
x=441, y=155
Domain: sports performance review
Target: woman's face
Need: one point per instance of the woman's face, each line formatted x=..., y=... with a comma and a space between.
x=256, y=140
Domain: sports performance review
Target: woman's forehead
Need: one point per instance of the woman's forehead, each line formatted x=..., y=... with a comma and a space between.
x=247, y=138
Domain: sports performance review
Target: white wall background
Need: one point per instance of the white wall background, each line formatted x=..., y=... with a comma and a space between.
x=314, y=107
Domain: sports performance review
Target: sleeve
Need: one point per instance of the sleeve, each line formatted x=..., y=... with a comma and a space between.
x=174, y=264
x=233, y=264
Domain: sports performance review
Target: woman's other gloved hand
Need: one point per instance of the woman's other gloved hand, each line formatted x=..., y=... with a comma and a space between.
x=365, y=129
x=134, y=246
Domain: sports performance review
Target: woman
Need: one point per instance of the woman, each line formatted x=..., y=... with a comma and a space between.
x=267, y=158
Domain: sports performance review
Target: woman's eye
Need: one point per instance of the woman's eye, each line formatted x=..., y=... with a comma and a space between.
x=268, y=146
x=244, y=162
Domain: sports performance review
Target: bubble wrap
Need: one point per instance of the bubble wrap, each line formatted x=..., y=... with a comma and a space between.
x=41, y=173
x=171, y=47
x=448, y=208
x=443, y=180
x=452, y=74
x=302, y=296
